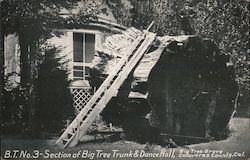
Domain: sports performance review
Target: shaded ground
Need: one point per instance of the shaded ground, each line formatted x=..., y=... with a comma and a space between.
x=238, y=143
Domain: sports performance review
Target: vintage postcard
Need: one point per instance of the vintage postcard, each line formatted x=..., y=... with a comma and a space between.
x=125, y=79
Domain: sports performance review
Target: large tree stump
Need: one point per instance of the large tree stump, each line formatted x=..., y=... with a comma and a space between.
x=191, y=89
x=184, y=82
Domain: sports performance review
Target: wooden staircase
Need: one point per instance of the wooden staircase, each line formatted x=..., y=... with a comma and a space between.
x=107, y=90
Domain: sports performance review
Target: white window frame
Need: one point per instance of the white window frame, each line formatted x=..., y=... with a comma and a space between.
x=84, y=64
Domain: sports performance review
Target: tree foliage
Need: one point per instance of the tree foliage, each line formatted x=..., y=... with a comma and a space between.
x=12, y=113
x=225, y=22
x=32, y=21
x=54, y=97
x=20, y=15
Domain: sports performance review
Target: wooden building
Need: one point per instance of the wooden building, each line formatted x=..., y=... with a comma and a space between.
x=78, y=45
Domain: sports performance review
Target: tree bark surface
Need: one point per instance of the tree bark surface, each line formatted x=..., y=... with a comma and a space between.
x=185, y=81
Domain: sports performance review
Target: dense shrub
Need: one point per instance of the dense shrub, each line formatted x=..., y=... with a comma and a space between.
x=13, y=114
x=53, y=102
x=54, y=97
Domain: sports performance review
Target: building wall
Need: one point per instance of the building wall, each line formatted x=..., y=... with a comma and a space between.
x=65, y=43
x=12, y=60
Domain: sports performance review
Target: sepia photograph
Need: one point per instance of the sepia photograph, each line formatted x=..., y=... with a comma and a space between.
x=125, y=79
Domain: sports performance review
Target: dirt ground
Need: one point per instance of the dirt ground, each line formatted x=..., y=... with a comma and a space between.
x=236, y=147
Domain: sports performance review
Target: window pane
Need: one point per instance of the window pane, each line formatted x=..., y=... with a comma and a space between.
x=78, y=47
x=78, y=74
x=78, y=67
x=89, y=47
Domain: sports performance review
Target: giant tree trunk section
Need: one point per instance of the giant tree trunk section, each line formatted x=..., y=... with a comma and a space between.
x=185, y=81
x=191, y=89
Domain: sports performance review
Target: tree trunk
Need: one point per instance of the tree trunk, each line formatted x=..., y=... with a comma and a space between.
x=1, y=68
x=28, y=65
x=1, y=62
x=33, y=101
x=24, y=60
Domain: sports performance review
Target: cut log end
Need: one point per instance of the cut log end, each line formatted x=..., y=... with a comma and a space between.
x=186, y=83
